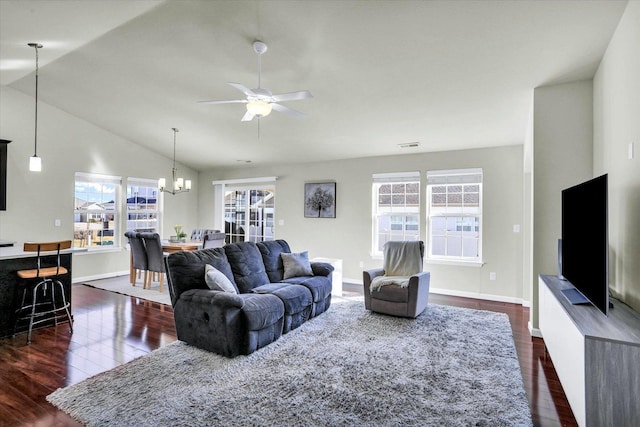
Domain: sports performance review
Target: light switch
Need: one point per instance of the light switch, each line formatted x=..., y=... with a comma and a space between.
x=492, y=275
x=56, y=223
x=631, y=153
x=516, y=228
x=281, y=222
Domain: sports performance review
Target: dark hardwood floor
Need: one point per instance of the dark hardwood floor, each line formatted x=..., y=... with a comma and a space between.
x=112, y=329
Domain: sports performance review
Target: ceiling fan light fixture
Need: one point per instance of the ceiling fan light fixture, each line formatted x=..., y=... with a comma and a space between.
x=259, y=108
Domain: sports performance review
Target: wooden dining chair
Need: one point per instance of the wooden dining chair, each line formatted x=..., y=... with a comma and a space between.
x=42, y=283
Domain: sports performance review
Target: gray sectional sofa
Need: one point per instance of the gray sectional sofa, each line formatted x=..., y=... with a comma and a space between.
x=268, y=291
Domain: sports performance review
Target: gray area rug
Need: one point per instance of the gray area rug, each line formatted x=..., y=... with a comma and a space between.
x=122, y=286
x=347, y=367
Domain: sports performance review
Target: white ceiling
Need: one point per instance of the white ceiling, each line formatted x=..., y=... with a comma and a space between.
x=449, y=74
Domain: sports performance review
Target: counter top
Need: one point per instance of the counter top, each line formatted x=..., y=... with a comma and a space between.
x=12, y=252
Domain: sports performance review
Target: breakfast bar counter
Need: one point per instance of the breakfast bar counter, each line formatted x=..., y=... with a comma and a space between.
x=12, y=259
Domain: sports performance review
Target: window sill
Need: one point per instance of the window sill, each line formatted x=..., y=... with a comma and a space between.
x=87, y=251
x=454, y=262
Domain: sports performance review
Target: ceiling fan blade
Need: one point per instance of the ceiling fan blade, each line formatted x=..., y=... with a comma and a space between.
x=224, y=101
x=287, y=110
x=247, y=117
x=243, y=89
x=292, y=96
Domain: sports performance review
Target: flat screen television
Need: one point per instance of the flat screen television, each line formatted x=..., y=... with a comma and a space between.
x=585, y=243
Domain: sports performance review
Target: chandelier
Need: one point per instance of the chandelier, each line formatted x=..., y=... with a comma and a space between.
x=180, y=185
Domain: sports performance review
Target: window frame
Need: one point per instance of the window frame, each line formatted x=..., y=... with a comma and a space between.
x=378, y=212
x=159, y=205
x=449, y=178
x=85, y=236
x=266, y=213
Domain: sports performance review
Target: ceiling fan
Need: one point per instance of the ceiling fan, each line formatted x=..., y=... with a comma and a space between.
x=261, y=101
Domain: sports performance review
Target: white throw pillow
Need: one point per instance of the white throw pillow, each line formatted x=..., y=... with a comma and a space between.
x=296, y=264
x=217, y=281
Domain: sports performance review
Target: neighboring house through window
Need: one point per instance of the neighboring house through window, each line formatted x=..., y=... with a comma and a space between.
x=454, y=215
x=96, y=218
x=143, y=207
x=396, y=208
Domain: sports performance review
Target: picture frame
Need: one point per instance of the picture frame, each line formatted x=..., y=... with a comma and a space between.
x=320, y=200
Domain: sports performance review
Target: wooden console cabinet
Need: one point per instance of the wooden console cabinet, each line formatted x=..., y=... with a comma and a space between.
x=597, y=358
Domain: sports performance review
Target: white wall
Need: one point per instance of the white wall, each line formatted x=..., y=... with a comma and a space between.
x=562, y=157
x=348, y=236
x=67, y=145
x=616, y=125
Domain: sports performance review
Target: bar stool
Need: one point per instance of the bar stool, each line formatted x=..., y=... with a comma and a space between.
x=37, y=281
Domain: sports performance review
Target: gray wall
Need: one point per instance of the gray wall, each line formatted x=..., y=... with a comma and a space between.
x=348, y=236
x=616, y=125
x=562, y=157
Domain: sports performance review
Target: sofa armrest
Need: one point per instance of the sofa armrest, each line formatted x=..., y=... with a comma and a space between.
x=418, y=293
x=211, y=297
x=321, y=268
x=367, y=277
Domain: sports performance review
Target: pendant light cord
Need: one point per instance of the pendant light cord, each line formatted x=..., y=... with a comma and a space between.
x=35, y=141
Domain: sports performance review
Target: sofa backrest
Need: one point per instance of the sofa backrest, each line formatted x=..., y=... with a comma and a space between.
x=185, y=270
x=271, y=258
x=247, y=265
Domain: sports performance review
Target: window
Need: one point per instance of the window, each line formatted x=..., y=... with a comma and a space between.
x=143, y=208
x=249, y=214
x=396, y=208
x=96, y=211
x=454, y=215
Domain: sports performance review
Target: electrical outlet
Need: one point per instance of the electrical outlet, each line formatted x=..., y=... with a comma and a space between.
x=361, y=264
x=492, y=275
x=281, y=222
x=516, y=228
x=56, y=223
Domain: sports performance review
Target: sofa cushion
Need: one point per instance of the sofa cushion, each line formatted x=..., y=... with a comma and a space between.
x=271, y=258
x=294, y=297
x=247, y=265
x=217, y=281
x=296, y=264
x=319, y=286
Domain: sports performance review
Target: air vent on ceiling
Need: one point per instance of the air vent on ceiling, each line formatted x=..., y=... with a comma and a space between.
x=409, y=145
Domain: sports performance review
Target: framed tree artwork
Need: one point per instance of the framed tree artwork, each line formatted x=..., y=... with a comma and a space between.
x=320, y=200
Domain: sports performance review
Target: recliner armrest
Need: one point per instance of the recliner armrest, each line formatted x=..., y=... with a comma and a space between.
x=367, y=277
x=321, y=268
x=209, y=296
x=420, y=278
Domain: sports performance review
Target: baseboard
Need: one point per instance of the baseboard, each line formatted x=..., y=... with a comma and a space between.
x=454, y=293
x=535, y=332
x=99, y=276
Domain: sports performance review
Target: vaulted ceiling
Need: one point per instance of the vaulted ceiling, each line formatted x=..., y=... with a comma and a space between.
x=447, y=74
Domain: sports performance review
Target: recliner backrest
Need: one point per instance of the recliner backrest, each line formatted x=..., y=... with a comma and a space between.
x=185, y=270
x=271, y=258
x=247, y=265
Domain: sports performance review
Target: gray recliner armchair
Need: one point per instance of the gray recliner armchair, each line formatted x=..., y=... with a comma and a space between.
x=400, y=288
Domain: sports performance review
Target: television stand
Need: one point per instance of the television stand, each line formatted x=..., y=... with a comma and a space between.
x=574, y=296
x=596, y=356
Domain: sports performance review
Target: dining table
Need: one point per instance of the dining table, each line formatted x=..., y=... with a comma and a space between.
x=171, y=247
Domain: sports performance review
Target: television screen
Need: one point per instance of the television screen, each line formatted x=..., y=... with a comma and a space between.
x=585, y=242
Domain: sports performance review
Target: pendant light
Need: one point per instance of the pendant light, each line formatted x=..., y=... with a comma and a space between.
x=180, y=185
x=35, y=162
